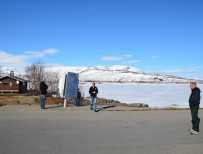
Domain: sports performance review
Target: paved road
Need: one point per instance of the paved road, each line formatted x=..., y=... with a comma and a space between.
x=105, y=132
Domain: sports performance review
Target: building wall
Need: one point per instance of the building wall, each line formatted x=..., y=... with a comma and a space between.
x=14, y=85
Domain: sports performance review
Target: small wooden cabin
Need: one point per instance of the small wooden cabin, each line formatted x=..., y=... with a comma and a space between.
x=12, y=84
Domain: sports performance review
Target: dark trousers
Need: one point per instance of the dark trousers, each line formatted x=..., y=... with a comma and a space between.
x=77, y=102
x=195, y=119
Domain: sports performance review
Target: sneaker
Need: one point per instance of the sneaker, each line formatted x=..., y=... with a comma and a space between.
x=91, y=108
x=191, y=130
x=195, y=133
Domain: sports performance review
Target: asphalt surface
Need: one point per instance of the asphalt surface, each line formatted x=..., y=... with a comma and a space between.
x=106, y=132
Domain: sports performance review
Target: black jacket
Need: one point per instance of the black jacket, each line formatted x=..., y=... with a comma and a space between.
x=195, y=97
x=92, y=90
x=78, y=95
x=43, y=88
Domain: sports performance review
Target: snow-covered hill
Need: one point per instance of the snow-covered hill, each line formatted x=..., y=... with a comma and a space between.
x=116, y=73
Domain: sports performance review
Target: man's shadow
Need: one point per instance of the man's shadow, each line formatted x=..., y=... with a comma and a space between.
x=52, y=107
x=105, y=107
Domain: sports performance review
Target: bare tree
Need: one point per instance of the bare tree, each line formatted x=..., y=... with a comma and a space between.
x=52, y=79
x=35, y=73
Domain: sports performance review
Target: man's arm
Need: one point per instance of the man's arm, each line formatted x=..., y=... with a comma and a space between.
x=90, y=90
x=46, y=86
x=196, y=97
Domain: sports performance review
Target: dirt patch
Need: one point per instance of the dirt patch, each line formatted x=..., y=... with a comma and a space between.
x=29, y=100
x=50, y=100
x=10, y=100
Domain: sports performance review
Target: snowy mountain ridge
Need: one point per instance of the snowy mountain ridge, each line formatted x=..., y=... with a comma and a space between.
x=116, y=73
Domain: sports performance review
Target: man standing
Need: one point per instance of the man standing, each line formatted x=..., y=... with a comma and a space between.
x=78, y=98
x=43, y=92
x=93, y=91
x=194, y=102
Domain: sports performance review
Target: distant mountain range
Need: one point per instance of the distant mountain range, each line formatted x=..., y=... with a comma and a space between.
x=117, y=74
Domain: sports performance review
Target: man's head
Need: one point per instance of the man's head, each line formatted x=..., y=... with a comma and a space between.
x=93, y=84
x=193, y=85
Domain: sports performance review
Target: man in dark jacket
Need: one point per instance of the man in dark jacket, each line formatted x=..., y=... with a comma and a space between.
x=194, y=102
x=78, y=98
x=93, y=91
x=43, y=92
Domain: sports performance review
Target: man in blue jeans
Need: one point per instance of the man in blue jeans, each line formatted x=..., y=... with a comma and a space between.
x=194, y=102
x=93, y=91
x=43, y=92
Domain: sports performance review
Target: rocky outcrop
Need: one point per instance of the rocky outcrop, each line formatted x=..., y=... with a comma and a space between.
x=102, y=101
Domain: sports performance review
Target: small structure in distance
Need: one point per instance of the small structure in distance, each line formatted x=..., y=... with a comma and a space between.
x=13, y=84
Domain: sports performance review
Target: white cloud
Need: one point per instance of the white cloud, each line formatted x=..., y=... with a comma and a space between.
x=18, y=62
x=99, y=51
x=35, y=54
x=128, y=55
x=9, y=62
x=155, y=57
x=197, y=67
x=111, y=58
x=132, y=61
x=116, y=58
x=50, y=51
x=8, y=59
x=187, y=73
x=41, y=53
x=181, y=71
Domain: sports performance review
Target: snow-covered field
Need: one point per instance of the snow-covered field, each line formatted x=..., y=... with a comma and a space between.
x=130, y=85
x=155, y=95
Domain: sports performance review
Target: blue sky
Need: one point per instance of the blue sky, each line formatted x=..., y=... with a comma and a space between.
x=162, y=36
